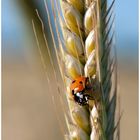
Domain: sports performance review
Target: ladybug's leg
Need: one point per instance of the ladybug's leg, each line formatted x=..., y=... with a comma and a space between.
x=89, y=97
x=88, y=84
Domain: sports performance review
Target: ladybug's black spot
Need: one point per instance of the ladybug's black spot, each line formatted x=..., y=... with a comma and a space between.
x=73, y=92
x=81, y=82
x=73, y=81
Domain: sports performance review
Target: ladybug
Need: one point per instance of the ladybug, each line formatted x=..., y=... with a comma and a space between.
x=79, y=90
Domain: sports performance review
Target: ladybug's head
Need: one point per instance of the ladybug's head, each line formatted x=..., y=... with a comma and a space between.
x=81, y=98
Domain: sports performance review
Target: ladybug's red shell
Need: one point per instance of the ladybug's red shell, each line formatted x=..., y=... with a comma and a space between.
x=78, y=84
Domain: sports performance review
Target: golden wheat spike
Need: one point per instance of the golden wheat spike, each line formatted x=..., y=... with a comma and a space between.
x=86, y=51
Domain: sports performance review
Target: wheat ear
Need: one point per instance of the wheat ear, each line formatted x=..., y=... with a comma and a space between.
x=86, y=51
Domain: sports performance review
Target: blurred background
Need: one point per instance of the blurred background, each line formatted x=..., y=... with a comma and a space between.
x=28, y=110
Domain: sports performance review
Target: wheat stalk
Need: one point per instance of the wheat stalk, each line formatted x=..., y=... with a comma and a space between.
x=85, y=50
